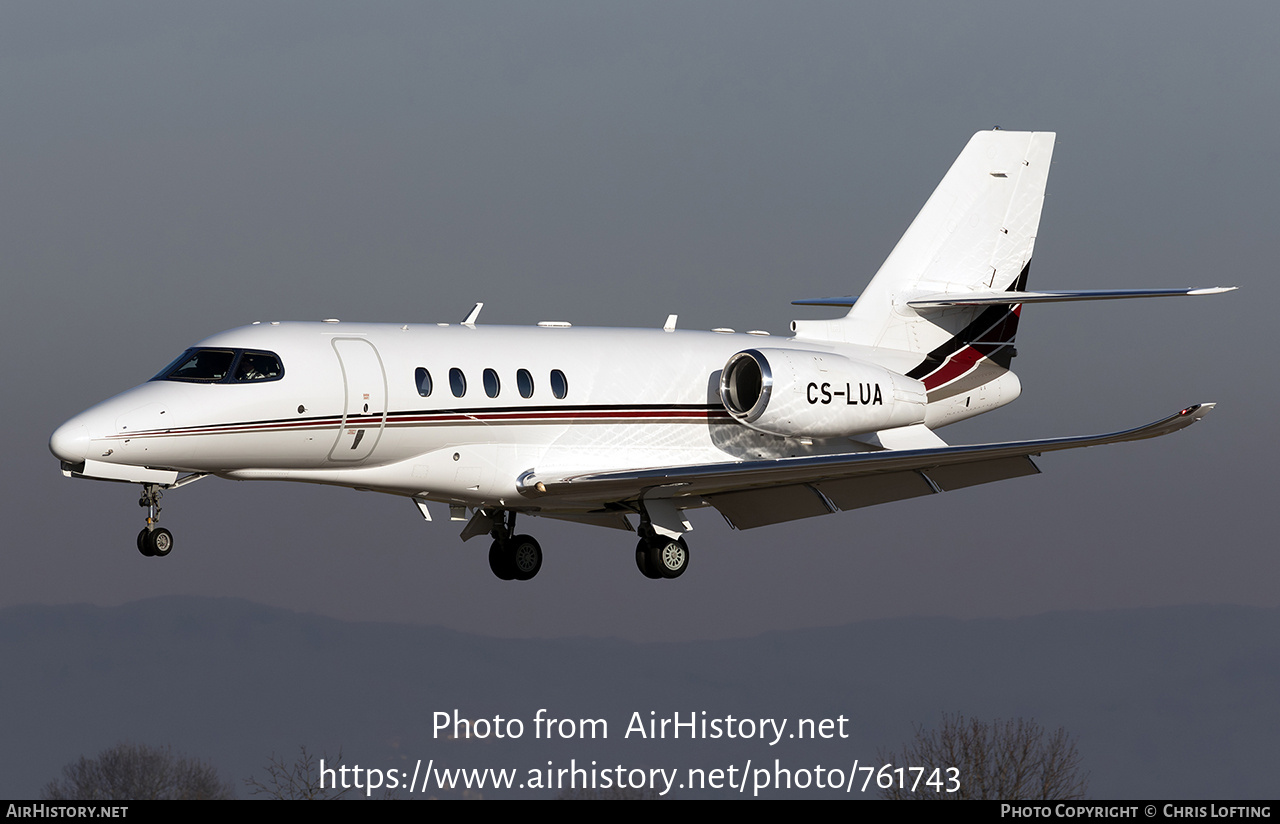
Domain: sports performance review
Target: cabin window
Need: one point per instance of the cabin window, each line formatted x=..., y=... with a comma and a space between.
x=524, y=382
x=491, y=385
x=559, y=384
x=423, y=379
x=457, y=382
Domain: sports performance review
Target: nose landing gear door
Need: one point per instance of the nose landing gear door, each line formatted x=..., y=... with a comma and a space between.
x=365, y=384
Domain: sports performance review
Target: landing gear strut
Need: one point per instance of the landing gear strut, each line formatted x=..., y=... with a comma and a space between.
x=153, y=541
x=513, y=557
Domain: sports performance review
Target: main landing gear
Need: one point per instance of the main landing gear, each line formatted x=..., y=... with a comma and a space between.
x=513, y=557
x=153, y=541
x=519, y=557
x=658, y=556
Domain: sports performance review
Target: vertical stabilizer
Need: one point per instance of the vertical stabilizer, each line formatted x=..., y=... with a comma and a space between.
x=976, y=233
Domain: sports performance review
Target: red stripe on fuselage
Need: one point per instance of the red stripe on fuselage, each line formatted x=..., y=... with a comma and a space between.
x=449, y=417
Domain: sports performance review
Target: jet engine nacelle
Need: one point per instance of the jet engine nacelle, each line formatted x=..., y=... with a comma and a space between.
x=807, y=394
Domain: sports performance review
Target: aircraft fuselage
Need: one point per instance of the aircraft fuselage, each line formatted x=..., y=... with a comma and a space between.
x=349, y=408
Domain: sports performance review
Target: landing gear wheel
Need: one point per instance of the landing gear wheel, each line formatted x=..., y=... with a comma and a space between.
x=156, y=542
x=525, y=556
x=142, y=543
x=501, y=561
x=669, y=557
x=642, y=560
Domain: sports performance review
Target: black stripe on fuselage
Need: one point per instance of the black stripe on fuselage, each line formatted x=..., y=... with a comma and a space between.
x=485, y=414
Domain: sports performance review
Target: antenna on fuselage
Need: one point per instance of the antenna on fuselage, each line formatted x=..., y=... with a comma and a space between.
x=475, y=313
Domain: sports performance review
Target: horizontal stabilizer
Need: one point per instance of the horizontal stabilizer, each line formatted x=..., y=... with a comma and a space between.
x=845, y=301
x=946, y=299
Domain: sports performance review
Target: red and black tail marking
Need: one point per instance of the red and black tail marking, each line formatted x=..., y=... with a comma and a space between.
x=989, y=336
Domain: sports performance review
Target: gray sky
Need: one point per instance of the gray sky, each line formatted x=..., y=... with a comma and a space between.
x=174, y=170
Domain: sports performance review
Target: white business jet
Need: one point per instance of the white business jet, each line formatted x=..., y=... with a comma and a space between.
x=628, y=428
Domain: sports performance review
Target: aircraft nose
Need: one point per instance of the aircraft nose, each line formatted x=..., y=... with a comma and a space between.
x=70, y=442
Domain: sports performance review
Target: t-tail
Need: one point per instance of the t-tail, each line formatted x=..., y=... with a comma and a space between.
x=950, y=294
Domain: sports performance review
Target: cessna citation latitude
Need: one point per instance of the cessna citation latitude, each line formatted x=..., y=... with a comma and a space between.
x=629, y=428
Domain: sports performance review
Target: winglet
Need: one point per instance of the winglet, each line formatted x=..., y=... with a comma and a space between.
x=1198, y=411
x=475, y=313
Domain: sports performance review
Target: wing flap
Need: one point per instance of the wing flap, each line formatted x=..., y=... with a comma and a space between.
x=870, y=490
x=954, y=467
x=959, y=476
x=760, y=507
x=612, y=520
x=772, y=505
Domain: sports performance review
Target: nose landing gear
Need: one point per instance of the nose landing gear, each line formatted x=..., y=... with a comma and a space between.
x=153, y=541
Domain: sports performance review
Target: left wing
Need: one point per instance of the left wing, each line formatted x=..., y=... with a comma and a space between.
x=756, y=493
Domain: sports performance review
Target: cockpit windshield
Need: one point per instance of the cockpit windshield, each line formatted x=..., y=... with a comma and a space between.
x=223, y=366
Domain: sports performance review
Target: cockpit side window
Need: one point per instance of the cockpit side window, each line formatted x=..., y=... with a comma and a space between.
x=223, y=366
x=258, y=366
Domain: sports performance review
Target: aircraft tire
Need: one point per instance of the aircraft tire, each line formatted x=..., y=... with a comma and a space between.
x=525, y=556
x=142, y=544
x=642, y=560
x=501, y=560
x=671, y=557
x=159, y=542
